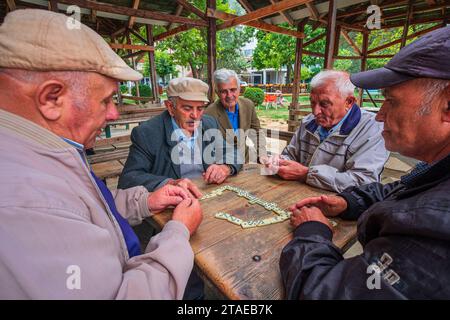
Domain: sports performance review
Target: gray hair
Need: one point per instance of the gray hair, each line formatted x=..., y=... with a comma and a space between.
x=224, y=75
x=432, y=89
x=174, y=101
x=75, y=80
x=340, y=79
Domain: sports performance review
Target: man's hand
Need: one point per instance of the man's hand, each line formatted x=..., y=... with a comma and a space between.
x=306, y=214
x=191, y=189
x=271, y=164
x=292, y=170
x=216, y=173
x=189, y=213
x=331, y=206
x=164, y=197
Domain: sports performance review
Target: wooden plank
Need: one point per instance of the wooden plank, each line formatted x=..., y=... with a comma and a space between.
x=108, y=156
x=315, y=39
x=314, y=54
x=351, y=42
x=133, y=19
x=110, y=8
x=172, y=32
x=313, y=11
x=331, y=31
x=263, y=12
x=365, y=46
x=11, y=5
x=131, y=46
x=192, y=8
x=109, y=169
x=110, y=141
x=224, y=252
x=211, y=49
x=152, y=63
x=286, y=16
x=256, y=24
x=390, y=44
x=409, y=14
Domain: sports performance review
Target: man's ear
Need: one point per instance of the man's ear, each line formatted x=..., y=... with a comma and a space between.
x=350, y=101
x=50, y=98
x=169, y=106
x=446, y=113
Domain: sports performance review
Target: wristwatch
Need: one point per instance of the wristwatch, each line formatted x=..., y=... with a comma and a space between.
x=232, y=171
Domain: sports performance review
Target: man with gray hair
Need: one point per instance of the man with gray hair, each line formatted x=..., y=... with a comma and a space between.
x=236, y=116
x=404, y=226
x=63, y=234
x=338, y=145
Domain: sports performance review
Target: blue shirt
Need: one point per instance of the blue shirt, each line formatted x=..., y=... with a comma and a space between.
x=234, y=118
x=324, y=133
x=130, y=237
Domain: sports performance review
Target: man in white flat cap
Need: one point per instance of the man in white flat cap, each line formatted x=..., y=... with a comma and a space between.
x=63, y=234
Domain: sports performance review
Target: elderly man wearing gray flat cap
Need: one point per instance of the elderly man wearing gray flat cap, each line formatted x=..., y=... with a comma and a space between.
x=64, y=235
x=404, y=226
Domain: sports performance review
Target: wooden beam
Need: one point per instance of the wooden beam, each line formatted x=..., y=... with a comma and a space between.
x=387, y=4
x=315, y=39
x=192, y=8
x=331, y=31
x=263, y=12
x=131, y=47
x=137, y=35
x=347, y=57
x=380, y=56
x=365, y=46
x=178, y=11
x=53, y=5
x=313, y=54
x=286, y=16
x=133, y=19
x=246, y=5
x=139, y=13
x=11, y=5
x=118, y=31
x=313, y=11
x=431, y=2
x=390, y=44
x=256, y=24
x=351, y=42
x=172, y=32
x=152, y=64
x=211, y=49
x=133, y=54
x=297, y=77
x=409, y=14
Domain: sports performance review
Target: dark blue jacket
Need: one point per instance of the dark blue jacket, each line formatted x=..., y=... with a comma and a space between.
x=404, y=228
x=149, y=161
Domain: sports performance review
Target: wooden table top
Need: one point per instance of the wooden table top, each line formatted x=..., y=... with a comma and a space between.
x=224, y=251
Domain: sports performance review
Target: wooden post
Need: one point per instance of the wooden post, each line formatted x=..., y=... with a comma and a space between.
x=211, y=4
x=152, y=65
x=406, y=27
x=365, y=46
x=293, y=117
x=331, y=30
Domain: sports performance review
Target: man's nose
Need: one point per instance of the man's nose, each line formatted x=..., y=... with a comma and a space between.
x=380, y=117
x=195, y=114
x=112, y=113
x=315, y=109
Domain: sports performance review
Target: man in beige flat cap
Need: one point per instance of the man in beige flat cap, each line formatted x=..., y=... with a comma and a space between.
x=181, y=147
x=63, y=234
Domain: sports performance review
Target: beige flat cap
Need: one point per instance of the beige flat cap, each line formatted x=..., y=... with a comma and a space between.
x=188, y=89
x=41, y=40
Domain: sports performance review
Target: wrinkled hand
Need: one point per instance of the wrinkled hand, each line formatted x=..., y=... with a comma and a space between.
x=306, y=214
x=271, y=164
x=292, y=170
x=216, y=173
x=191, y=189
x=164, y=197
x=331, y=206
x=189, y=213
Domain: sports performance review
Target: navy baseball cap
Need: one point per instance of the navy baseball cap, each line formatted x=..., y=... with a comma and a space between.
x=427, y=57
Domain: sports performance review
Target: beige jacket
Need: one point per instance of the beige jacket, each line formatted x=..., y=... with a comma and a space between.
x=248, y=119
x=58, y=239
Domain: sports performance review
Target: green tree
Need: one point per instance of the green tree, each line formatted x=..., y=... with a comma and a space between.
x=164, y=65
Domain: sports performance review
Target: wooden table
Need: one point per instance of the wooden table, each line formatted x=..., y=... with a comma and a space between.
x=224, y=252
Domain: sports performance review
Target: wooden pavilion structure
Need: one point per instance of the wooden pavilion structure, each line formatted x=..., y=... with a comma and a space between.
x=116, y=20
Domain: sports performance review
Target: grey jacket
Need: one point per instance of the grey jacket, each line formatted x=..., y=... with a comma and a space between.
x=351, y=156
x=149, y=162
x=56, y=225
x=404, y=228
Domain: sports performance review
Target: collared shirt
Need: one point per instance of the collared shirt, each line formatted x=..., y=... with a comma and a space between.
x=324, y=133
x=131, y=240
x=191, y=162
x=234, y=118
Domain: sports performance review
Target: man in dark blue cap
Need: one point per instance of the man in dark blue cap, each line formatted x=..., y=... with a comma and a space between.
x=404, y=227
